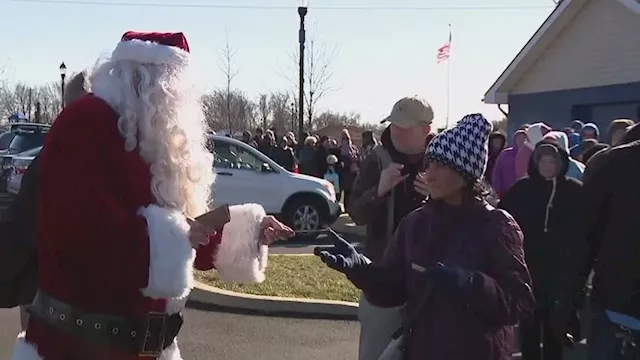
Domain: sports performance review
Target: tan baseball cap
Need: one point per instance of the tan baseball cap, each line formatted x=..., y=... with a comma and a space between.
x=410, y=111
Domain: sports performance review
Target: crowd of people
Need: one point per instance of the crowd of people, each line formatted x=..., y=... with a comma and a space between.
x=337, y=161
x=447, y=269
x=467, y=236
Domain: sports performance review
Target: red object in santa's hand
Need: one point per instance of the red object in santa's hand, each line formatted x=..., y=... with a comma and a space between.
x=205, y=255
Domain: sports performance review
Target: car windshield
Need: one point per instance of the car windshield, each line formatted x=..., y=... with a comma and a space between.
x=5, y=139
x=26, y=140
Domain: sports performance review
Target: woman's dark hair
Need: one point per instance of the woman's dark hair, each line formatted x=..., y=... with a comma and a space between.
x=480, y=190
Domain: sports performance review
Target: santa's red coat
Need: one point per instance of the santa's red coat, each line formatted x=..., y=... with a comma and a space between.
x=105, y=247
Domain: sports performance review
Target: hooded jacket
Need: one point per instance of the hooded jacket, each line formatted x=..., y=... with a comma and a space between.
x=576, y=168
x=617, y=125
x=481, y=239
x=504, y=173
x=609, y=245
x=535, y=133
x=493, y=154
x=576, y=150
x=548, y=212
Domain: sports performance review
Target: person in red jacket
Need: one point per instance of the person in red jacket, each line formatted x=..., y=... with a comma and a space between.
x=123, y=173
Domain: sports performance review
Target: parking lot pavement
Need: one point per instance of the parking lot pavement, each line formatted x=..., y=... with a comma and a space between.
x=210, y=335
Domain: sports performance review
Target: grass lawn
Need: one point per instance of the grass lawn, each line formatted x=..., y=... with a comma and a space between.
x=293, y=276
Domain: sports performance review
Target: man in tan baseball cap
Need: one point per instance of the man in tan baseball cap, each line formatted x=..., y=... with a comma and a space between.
x=410, y=111
x=383, y=193
x=410, y=121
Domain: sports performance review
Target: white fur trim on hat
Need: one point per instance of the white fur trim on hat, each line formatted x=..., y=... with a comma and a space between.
x=148, y=52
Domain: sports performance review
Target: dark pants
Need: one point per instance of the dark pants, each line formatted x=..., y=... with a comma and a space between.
x=606, y=340
x=537, y=330
x=347, y=195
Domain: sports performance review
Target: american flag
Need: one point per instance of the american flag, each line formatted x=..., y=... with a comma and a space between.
x=445, y=50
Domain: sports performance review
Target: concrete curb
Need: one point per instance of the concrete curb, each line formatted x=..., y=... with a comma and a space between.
x=313, y=308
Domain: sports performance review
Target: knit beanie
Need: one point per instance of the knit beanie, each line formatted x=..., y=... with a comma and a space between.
x=464, y=147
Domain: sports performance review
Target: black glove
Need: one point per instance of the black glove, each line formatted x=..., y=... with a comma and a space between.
x=452, y=279
x=342, y=256
x=560, y=320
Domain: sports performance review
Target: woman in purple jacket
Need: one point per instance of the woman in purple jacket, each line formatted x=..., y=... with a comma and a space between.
x=504, y=170
x=465, y=252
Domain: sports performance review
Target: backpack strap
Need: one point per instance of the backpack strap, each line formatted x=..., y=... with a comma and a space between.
x=384, y=160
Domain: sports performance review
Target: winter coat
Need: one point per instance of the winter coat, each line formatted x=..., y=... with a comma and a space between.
x=576, y=168
x=535, y=133
x=476, y=237
x=504, y=173
x=347, y=173
x=307, y=165
x=577, y=149
x=18, y=259
x=610, y=232
x=493, y=155
x=549, y=214
x=366, y=208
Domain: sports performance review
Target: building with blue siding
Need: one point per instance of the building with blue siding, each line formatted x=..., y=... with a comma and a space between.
x=583, y=63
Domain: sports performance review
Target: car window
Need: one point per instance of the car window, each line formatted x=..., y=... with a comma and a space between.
x=32, y=152
x=25, y=141
x=230, y=156
x=5, y=139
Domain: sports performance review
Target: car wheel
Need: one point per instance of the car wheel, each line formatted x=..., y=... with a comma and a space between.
x=305, y=215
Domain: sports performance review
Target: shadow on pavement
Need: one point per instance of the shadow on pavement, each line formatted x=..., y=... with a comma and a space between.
x=282, y=314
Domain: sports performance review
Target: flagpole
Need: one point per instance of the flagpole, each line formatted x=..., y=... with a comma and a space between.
x=448, y=80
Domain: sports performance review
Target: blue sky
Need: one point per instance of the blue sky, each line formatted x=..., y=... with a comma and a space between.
x=381, y=55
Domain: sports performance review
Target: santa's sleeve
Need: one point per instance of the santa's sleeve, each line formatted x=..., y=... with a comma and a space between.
x=86, y=207
x=235, y=250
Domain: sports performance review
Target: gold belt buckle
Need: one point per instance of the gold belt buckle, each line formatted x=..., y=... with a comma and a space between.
x=155, y=326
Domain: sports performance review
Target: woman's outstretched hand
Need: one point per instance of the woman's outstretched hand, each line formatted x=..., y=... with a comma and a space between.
x=342, y=256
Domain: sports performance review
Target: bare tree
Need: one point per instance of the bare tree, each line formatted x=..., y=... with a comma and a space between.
x=318, y=76
x=227, y=55
x=38, y=103
x=218, y=106
x=280, y=109
x=263, y=109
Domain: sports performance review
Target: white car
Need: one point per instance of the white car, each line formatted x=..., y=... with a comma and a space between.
x=245, y=175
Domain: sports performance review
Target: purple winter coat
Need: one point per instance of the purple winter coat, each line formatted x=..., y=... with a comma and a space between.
x=504, y=170
x=476, y=237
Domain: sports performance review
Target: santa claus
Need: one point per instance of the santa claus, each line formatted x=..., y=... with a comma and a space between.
x=123, y=172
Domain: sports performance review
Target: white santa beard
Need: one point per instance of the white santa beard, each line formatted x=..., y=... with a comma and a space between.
x=181, y=166
x=160, y=115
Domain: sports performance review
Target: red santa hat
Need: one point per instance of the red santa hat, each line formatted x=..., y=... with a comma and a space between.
x=152, y=48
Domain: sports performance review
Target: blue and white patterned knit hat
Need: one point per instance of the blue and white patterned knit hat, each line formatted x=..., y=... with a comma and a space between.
x=464, y=148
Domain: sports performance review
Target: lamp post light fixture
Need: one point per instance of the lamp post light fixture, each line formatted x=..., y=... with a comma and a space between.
x=303, y=7
x=63, y=75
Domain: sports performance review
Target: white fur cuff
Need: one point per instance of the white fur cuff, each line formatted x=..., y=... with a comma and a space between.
x=23, y=350
x=170, y=252
x=240, y=257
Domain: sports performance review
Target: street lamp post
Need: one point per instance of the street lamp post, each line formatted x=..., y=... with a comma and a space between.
x=303, y=6
x=63, y=75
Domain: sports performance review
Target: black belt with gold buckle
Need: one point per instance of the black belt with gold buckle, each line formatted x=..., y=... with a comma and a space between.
x=147, y=337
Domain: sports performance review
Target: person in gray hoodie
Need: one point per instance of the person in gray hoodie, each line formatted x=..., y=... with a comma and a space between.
x=558, y=138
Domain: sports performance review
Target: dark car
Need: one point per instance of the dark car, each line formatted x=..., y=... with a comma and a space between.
x=23, y=140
